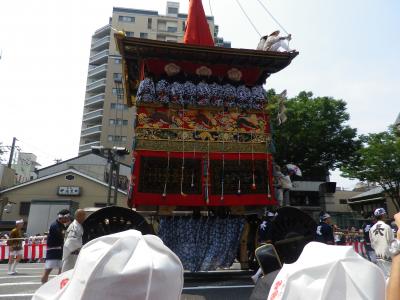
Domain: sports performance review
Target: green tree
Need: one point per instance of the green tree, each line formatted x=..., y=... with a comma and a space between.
x=315, y=136
x=378, y=161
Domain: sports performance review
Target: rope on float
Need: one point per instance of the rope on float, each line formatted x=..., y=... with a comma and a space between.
x=272, y=17
x=248, y=18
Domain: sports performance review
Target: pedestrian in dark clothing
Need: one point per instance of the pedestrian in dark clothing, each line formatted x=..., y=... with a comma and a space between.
x=324, y=232
x=264, y=237
x=370, y=252
x=55, y=241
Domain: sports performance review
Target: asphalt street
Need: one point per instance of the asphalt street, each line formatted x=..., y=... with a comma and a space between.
x=23, y=285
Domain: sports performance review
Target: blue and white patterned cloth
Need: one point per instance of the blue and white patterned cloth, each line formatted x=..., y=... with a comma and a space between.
x=204, y=243
x=176, y=93
x=146, y=91
x=162, y=91
x=203, y=94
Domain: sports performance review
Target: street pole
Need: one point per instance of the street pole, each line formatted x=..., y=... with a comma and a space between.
x=11, y=152
x=116, y=185
x=110, y=171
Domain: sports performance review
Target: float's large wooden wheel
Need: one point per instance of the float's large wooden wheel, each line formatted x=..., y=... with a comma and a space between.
x=292, y=229
x=114, y=219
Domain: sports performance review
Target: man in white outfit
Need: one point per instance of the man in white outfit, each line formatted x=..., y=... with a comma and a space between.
x=276, y=43
x=381, y=236
x=73, y=241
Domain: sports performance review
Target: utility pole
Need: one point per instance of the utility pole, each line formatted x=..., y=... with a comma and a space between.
x=112, y=158
x=11, y=152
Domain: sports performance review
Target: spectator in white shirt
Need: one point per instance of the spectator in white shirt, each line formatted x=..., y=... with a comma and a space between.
x=381, y=235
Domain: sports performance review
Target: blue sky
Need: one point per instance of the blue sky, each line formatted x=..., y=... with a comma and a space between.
x=348, y=50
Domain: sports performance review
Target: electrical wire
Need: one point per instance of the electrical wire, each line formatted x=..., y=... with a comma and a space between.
x=209, y=4
x=248, y=18
x=273, y=18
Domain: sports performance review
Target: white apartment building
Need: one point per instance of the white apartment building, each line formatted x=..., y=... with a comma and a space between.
x=107, y=121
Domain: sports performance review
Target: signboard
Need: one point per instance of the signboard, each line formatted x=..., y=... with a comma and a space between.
x=69, y=191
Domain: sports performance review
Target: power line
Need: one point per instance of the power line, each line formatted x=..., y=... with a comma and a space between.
x=248, y=18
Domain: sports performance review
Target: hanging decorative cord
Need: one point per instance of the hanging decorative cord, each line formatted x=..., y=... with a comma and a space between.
x=164, y=194
x=253, y=185
x=223, y=155
x=239, y=158
x=208, y=172
x=194, y=159
x=267, y=152
x=248, y=18
x=183, y=150
x=272, y=17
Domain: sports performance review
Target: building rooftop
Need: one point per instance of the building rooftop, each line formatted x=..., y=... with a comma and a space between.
x=372, y=192
x=150, y=12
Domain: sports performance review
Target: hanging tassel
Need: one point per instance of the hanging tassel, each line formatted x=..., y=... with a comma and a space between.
x=223, y=156
x=164, y=194
x=253, y=186
x=238, y=141
x=183, y=151
x=194, y=157
x=207, y=172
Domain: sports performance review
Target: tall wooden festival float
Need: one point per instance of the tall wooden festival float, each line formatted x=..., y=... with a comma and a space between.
x=200, y=155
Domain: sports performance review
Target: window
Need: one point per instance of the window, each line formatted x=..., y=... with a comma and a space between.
x=117, y=61
x=116, y=138
x=118, y=77
x=24, y=208
x=144, y=35
x=172, y=10
x=119, y=106
x=172, y=29
x=70, y=177
x=149, y=23
x=117, y=92
x=129, y=33
x=183, y=26
x=118, y=122
x=126, y=19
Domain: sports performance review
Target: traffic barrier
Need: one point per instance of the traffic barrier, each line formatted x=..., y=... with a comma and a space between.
x=32, y=250
x=358, y=246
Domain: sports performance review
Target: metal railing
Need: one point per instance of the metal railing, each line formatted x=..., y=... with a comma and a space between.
x=100, y=42
x=98, y=56
x=95, y=85
x=95, y=99
x=93, y=114
x=91, y=130
x=100, y=69
x=88, y=146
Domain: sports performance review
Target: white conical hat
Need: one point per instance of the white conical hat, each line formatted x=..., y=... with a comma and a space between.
x=326, y=272
x=125, y=265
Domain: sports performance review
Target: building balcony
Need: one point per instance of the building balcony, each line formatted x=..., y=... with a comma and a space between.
x=97, y=72
x=101, y=44
x=93, y=115
x=84, y=148
x=94, y=130
x=99, y=58
x=102, y=32
x=97, y=100
x=96, y=86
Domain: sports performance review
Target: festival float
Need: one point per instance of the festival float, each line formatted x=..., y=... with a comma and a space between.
x=200, y=157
